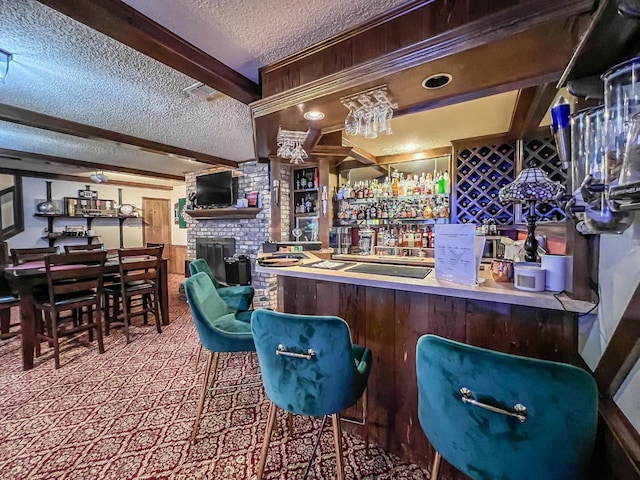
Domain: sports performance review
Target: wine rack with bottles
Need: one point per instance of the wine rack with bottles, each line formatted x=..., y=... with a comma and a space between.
x=542, y=153
x=480, y=173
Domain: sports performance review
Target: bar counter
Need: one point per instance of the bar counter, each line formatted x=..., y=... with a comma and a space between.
x=389, y=314
x=488, y=290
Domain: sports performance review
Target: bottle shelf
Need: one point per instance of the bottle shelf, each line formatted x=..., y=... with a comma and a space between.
x=307, y=215
x=306, y=190
x=394, y=221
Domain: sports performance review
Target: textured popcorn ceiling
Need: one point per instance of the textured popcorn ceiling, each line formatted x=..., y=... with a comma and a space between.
x=250, y=34
x=64, y=69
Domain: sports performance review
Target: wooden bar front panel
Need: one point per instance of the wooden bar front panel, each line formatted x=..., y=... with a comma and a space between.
x=389, y=322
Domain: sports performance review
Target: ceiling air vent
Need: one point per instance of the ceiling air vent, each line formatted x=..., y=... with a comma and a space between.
x=202, y=91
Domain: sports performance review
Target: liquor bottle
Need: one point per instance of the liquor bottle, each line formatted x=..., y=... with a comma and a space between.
x=395, y=186
x=402, y=186
x=441, y=183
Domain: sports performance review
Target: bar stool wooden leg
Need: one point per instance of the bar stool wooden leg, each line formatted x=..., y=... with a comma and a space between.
x=212, y=362
x=435, y=468
x=198, y=352
x=337, y=441
x=267, y=438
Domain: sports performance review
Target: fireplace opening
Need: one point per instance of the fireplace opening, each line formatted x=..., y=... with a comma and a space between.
x=214, y=251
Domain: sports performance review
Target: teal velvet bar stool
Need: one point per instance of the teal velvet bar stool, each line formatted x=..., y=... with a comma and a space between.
x=220, y=328
x=498, y=416
x=309, y=367
x=237, y=297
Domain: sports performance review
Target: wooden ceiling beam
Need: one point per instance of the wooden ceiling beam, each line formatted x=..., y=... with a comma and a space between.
x=330, y=151
x=75, y=178
x=127, y=25
x=38, y=157
x=531, y=105
x=363, y=156
x=408, y=157
x=21, y=116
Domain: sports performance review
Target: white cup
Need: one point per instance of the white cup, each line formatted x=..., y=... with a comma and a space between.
x=555, y=266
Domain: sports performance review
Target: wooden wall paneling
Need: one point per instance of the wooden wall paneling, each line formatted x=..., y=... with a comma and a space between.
x=446, y=317
x=368, y=45
x=300, y=296
x=275, y=218
x=334, y=58
x=324, y=220
x=488, y=325
x=412, y=318
x=380, y=324
x=418, y=22
x=547, y=334
x=310, y=69
x=178, y=255
x=402, y=31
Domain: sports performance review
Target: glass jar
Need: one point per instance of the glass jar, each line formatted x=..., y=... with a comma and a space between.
x=366, y=241
x=621, y=103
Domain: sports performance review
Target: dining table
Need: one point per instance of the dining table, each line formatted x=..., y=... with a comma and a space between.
x=27, y=276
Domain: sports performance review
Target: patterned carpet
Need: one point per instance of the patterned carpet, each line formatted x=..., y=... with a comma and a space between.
x=128, y=414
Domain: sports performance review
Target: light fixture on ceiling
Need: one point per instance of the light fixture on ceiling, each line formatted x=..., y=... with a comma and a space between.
x=290, y=145
x=370, y=112
x=203, y=91
x=98, y=177
x=5, y=59
x=436, y=81
x=314, y=115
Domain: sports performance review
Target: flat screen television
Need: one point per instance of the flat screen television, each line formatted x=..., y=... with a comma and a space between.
x=216, y=190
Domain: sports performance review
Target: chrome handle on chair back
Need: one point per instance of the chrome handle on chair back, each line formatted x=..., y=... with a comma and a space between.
x=282, y=350
x=520, y=411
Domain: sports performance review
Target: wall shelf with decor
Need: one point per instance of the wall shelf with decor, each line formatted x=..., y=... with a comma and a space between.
x=52, y=236
x=223, y=213
x=86, y=206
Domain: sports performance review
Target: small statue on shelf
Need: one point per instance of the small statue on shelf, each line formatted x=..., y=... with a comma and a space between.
x=192, y=199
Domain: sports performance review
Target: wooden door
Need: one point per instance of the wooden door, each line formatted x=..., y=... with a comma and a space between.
x=156, y=221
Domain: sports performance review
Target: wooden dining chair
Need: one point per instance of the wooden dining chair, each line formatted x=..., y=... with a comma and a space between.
x=83, y=248
x=139, y=279
x=161, y=245
x=8, y=299
x=24, y=255
x=74, y=283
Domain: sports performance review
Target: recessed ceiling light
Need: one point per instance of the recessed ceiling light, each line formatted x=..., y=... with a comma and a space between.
x=438, y=80
x=314, y=115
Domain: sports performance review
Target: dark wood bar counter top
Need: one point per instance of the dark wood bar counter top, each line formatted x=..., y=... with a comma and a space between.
x=389, y=314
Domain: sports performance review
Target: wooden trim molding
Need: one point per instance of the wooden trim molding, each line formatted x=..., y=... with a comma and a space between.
x=479, y=141
x=130, y=27
x=223, y=213
x=346, y=35
x=622, y=441
x=38, y=157
x=488, y=29
x=408, y=157
x=623, y=349
x=29, y=118
x=531, y=105
x=85, y=180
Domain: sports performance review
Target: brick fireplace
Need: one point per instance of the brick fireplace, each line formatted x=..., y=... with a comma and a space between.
x=248, y=234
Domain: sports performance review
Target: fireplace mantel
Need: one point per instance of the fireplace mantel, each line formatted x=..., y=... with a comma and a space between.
x=223, y=213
